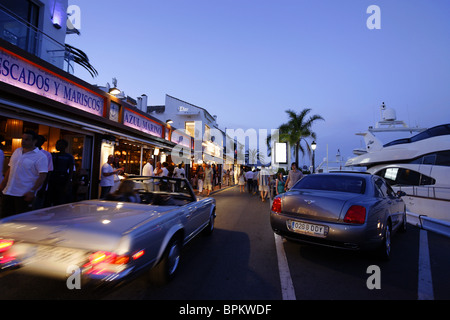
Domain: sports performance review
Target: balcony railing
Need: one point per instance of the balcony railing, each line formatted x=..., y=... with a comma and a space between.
x=29, y=38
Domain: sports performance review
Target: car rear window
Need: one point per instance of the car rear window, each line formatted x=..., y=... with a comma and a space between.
x=332, y=183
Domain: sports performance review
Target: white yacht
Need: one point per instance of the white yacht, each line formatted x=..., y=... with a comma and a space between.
x=418, y=165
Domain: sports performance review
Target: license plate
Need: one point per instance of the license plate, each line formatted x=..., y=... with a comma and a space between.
x=307, y=228
x=56, y=255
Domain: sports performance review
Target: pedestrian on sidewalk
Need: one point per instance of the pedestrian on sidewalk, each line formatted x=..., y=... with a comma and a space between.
x=41, y=196
x=107, y=176
x=60, y=182
x=208, y=179
x=255, y=181
x=241, y=180
x=249, y=179
x=200, y=178
x=293, y=176
x=279, y=183
x=28, y=168
x=263, y=182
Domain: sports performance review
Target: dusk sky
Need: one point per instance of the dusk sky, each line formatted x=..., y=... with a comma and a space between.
x=247, y=61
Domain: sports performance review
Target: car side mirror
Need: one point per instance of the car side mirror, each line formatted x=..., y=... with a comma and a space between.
x=401, y=193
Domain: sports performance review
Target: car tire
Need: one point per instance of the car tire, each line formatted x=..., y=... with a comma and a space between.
x=210, y=227
x=385, y=249
x=165, y=270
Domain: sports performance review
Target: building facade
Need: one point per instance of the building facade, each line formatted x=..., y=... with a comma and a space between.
x=37, y=93
x=197, y=123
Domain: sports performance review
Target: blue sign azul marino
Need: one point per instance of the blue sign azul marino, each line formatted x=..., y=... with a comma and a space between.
x=134, y=120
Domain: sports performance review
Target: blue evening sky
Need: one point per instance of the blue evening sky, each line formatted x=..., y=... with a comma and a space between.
x=247, y=61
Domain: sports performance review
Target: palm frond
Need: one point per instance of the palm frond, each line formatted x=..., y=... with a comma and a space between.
x=81, y=58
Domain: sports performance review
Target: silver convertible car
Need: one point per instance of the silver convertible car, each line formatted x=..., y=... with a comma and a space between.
x=345, y=210
x=109, y=241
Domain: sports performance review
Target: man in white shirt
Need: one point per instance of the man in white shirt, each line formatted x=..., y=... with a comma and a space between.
x=107, y=177
x=179, y=171
x=28, y=168
x=40, y=199
x=147, y=171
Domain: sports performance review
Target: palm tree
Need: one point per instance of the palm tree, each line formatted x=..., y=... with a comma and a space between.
x=80, y=58
x=297, y=129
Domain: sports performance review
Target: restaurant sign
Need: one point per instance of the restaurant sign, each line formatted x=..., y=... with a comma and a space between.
x=22, y=73
x=136, y=121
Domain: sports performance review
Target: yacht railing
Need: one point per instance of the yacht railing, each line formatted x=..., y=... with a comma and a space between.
x=429, y=192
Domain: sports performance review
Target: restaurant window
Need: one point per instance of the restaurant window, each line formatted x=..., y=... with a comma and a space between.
x=189, y=126
x=128, y=156
x=79, y=145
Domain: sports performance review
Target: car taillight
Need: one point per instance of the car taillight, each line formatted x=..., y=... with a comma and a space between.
x=276, y=205
x=356, y=215
x=5, y=244
x=100, y=257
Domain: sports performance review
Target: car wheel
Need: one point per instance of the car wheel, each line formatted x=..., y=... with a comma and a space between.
x=210, y=227
x=385, y=249
x=165, y=270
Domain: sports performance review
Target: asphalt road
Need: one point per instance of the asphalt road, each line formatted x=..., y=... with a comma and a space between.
x=240, y=262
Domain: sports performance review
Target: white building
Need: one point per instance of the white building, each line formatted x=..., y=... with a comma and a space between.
x=197, y=122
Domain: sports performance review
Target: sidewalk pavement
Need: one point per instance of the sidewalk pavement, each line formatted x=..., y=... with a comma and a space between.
x=215, y=189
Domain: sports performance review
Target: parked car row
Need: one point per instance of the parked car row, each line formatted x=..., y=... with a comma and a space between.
x=114, y=240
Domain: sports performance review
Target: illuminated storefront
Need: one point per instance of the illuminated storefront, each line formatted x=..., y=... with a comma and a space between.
x=37, y=95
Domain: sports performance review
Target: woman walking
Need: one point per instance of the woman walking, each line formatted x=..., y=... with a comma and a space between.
x=241, y=180
x=279, y=183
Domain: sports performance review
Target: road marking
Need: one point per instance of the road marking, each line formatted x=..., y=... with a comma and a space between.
x=425, y=285
x=287, y=288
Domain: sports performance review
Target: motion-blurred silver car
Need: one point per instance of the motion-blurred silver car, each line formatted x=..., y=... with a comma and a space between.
x=345, y=210
x=109, y=241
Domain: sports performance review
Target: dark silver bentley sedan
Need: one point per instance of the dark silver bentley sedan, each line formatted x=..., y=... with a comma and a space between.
x=344, y=210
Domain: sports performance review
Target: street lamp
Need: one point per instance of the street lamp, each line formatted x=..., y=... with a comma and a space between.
x=114, y=90
x=313, y=147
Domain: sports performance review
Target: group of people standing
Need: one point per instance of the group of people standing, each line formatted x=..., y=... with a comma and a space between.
x=36, y=178
x=208, y=177
x=262, y=181
x=110, y=182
